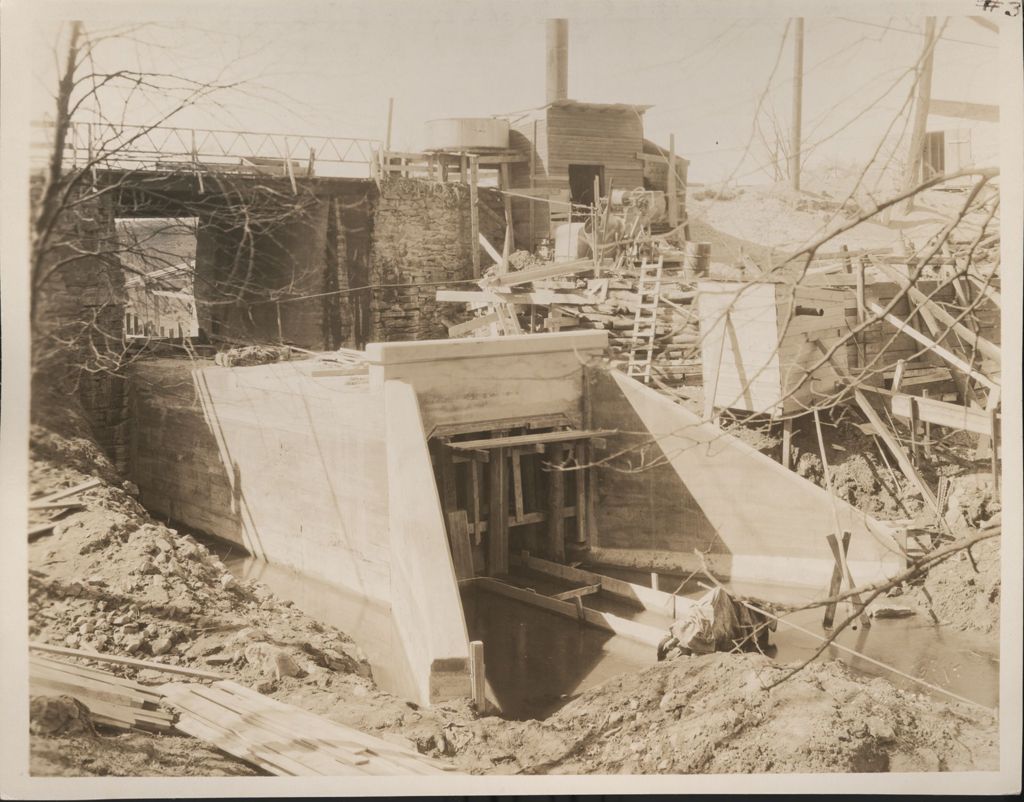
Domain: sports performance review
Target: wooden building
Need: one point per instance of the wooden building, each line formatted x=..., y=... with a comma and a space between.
x=569, y=143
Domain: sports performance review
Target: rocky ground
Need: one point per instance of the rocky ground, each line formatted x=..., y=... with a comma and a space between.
x=110, y=578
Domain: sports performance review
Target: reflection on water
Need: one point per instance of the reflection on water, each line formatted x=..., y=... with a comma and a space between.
x=961, y=662
x=537, y=660
x=367, y=622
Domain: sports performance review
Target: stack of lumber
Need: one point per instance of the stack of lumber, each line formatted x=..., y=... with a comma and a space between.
x=283, y=739
x=111, y=700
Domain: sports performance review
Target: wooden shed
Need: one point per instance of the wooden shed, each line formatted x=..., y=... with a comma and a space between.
x=569, y=143
x=759, y=344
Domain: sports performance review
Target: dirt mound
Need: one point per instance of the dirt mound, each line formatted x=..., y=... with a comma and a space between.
x=711, y=714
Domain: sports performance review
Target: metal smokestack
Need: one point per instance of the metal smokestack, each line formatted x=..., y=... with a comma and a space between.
x=558, y=59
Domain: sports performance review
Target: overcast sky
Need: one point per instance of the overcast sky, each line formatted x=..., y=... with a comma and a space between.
x=333, y=75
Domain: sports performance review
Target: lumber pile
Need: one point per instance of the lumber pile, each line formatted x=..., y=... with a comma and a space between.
x=111, y=700
x=283, y=739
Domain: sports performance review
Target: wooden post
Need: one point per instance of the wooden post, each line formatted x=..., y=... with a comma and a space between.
x=447, y=469
x=915, y=423
x=927, y=429
x=533, y=179
x=474, y=474
x=673, y=197
x=861, y=312
x=787, y=441
x=474, y=214
x=517, y=483
x=654, y=580
x=477, y=675
x=912, y=172
x=556, y=505
x=506, y=185
x=833, y=542
x=582, y=452
x=897, y=375
x=798, y=90
x=497, y=523
x=458, y=540
x=387, y=134
x=835, y=585
x=847, y=262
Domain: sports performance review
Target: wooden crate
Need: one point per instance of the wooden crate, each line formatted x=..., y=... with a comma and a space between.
x=761, y=341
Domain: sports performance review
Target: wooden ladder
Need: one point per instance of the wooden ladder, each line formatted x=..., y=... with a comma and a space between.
x=645, y=323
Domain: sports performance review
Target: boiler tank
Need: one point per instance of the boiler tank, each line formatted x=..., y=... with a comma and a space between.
x=467, y=133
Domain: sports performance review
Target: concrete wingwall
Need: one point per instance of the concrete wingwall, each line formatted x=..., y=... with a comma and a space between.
x=695, y=487
x=324, y=475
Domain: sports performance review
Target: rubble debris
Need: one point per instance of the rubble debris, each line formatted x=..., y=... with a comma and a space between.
x=252, y=355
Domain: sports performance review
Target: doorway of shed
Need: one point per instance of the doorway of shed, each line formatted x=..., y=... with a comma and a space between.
x=581, y=187
x=505, y=489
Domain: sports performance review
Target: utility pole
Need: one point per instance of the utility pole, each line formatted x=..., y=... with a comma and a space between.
x=912, y=169
x=798, y=92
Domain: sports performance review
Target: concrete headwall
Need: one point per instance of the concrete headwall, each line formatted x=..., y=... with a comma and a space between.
x=491, y=379
x=697, y=488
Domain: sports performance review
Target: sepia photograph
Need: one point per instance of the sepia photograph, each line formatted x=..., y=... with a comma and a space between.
x=478, y=397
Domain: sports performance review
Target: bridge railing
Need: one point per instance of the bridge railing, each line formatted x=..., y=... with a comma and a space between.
x=160, y=148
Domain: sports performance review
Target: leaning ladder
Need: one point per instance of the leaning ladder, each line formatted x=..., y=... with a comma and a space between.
x=645, y=322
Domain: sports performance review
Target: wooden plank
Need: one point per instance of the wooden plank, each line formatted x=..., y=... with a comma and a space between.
x=901, y=456
x=57, y=505
x=126, y=661
x=541, y=438
x=39, y=529
x=642, y=633
x=350, y=738
x=68, y=491
x=497, y=529
x=955, y=361
x=587, y=590
x=943, y=413
x=554, y=270
x=472, y=325
x=300, y=743
x=970, y=338
x=458, y=537
x=491, y=251
x=537, y=297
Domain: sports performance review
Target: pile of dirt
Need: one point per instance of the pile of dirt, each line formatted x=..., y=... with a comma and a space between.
x=110, y=578
x=965, y=590
x=712, y=714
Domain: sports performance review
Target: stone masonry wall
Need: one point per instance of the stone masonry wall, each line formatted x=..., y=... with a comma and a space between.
x=421, y=237
x=78, y=331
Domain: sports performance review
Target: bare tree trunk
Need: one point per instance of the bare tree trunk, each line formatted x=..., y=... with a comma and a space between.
x=48, y=207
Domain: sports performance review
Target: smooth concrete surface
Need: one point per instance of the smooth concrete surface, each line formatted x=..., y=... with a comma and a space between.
x=425, y=601
x=490, y=379
x=702, y=489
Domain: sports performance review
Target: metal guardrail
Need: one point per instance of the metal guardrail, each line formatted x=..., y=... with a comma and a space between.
x=156, y=148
